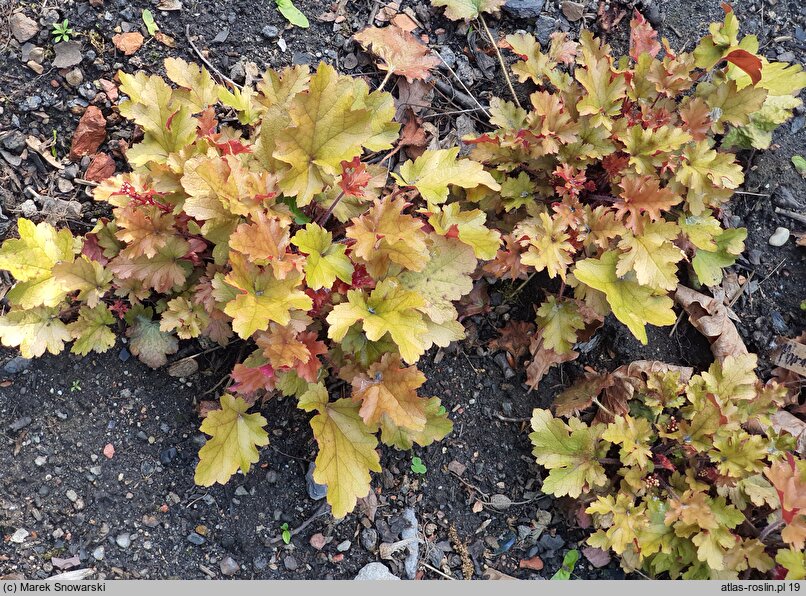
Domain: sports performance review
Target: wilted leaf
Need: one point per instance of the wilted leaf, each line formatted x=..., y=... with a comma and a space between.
x=401, y=52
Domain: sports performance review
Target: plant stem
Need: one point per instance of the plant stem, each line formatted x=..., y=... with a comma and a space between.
x=500, y=60
x=384, y=81
x=326, y=216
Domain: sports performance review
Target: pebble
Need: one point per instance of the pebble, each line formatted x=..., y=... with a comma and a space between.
x=270, y=32
x=22, y=26
x=241, y=492
x=167, y=455
x=271, y=476
x=315, y=491
x=369, y=538
x=195, y=539
x=290, y=563
x=74, y=77
x=68, y=54
x=779, y=237
x=375, y=572
x=343, y=547
x=72, y=495
x=95, y=470
x=573, y=11
x=413, y=548
x=548, y=544
x=99, y=553
x=20, y=423
x=229, y=566
x=41, y=460
x=123, y=540
x=524, y=9
x=15, y=142
x=19, y=536
x=260, y=563
x=150, y=521
x=37, y=55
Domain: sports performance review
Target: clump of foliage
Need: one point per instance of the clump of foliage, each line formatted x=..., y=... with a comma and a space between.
x=616, y=172
x=62, y=31
x=278, y=234
x=681, y=474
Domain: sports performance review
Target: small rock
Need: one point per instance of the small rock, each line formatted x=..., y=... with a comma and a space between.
x=410, y=533
x=783, y=197
x=150, y=521
x=101, y=167
x=369, y=538
x=343, y=547
x=64, y=186
x=195, y=539
x=290, y=563
x=260, y=563
x=74, y=77
x=315, y=491
x=572, y=11
x=375, y=572
x=535, y=563
x=270, y=32
x=68, y=54
x=221, y=36
x=41, y=460
x=168, y=455
x=36, y=54
x=229, y=566
x=237, y=73
x=457, y=468
x=318, y=541
x=549, y=544
x=19, y=536
x=524, y=9
x=779, y=237
x=99, y=553
x=271, y=476
x=786, y=57
x=123, y=540
x=20, y=423
x=71, y=495
x=22, y=27
x=14, y=142
x=95, y=470
x=35, y=66
x=90, y=133
x=754, y=256
x=241, y=492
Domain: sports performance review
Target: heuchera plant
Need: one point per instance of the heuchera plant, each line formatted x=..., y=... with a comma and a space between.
x=276, y=233
x=681, y=474
x=615, y=174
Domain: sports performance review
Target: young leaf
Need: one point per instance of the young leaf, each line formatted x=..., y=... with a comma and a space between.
x=326, y=261
x=437, y=427
x=401, y=52
x=435, y=170
x=633, y=304
x=388, y=309
x=547, y=243
x=34, y=330
x=468, y=9
x=468, y=226
x=559, y=321
x=346, y=454
x=148, y=21
x=292, y=14
x=570, y=452
x=651, y=255
x=235, y=436
x=708, y=265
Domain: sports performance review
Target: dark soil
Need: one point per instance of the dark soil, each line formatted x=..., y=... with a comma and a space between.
x=60, y=413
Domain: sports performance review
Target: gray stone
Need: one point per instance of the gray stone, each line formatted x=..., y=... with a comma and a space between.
x=75, y=77
x=41, y=460
x=271, y=476
x=19, y=536
x=369, y=538
x=315, y=491
x=544, y=27
x=237, y=73
x=270, y=32
x=783, y=197
x=196, y=539
x=572, y=11
x=15, y=142
x=779, y=237
x=20, y=423
x=290, y=563
x=548, y=544
x=68, y=54
x=343, y=547
x=524, y=9
x=123, y=540
x=22, y=27
x=71, y=495
x=260, y=563
x=241, y=492
x=229, y=566
x=413, y=548
x=99, y=553
x=375, y=572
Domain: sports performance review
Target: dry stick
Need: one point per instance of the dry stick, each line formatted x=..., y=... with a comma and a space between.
x=461, y=82
x=207, y=63
x=435, y=570
x=385, y=79
x=500, y=60
x=796, y=216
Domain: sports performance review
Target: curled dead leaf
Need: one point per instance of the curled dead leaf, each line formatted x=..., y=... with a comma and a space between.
x=711, y=317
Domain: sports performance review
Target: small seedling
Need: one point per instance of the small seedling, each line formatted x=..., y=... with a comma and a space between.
x=53, y=146
x=62, y=31
x=569, y=562
x=800, y=164
x=286, y=533
x=417, y=466
x=76, y=386
x=292, y=14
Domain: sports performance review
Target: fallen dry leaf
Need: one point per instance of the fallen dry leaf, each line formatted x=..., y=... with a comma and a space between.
x=405, y=22
x=535, y=564
x=90, y=133
x=109, y=451
x=711, y=317
x=413, y=137
x=514, y=337
x=401, y=52
x=494, y=574
x=542, y=360
x=128, y=43
x=164, y=39
x=596, y=556
x=43, y=151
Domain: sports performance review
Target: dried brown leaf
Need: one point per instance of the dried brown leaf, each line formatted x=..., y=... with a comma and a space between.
x=401, y=52
x=711, y=317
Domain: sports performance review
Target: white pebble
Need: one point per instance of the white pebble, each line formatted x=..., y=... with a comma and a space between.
x=779, y=237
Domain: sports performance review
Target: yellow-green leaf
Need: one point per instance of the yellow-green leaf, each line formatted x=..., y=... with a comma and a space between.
x=34, y=330
x=326, y=261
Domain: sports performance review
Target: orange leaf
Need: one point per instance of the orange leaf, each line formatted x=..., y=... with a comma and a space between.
x=749, y=63
x=697, y=118
x=643, y=38
x=128, y=43
x=401, y=52
x=643, y=194
x=389, y=390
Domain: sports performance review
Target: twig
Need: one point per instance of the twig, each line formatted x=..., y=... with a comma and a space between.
x=677, y=322
x=752, y=194
x=770, y=529
x=508, y=419
x=796, y=216
x=468, y=485
x=207, y=63
x=437, y=571
x=83, y=182
x=385, y=79
x=462, y=83
x=771, y=273
x=500, y=60
x=520, y=287
x=300, y=528
x=326, y=216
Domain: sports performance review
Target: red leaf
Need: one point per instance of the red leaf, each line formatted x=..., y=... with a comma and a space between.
x=354, y=177
x=749, y=63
